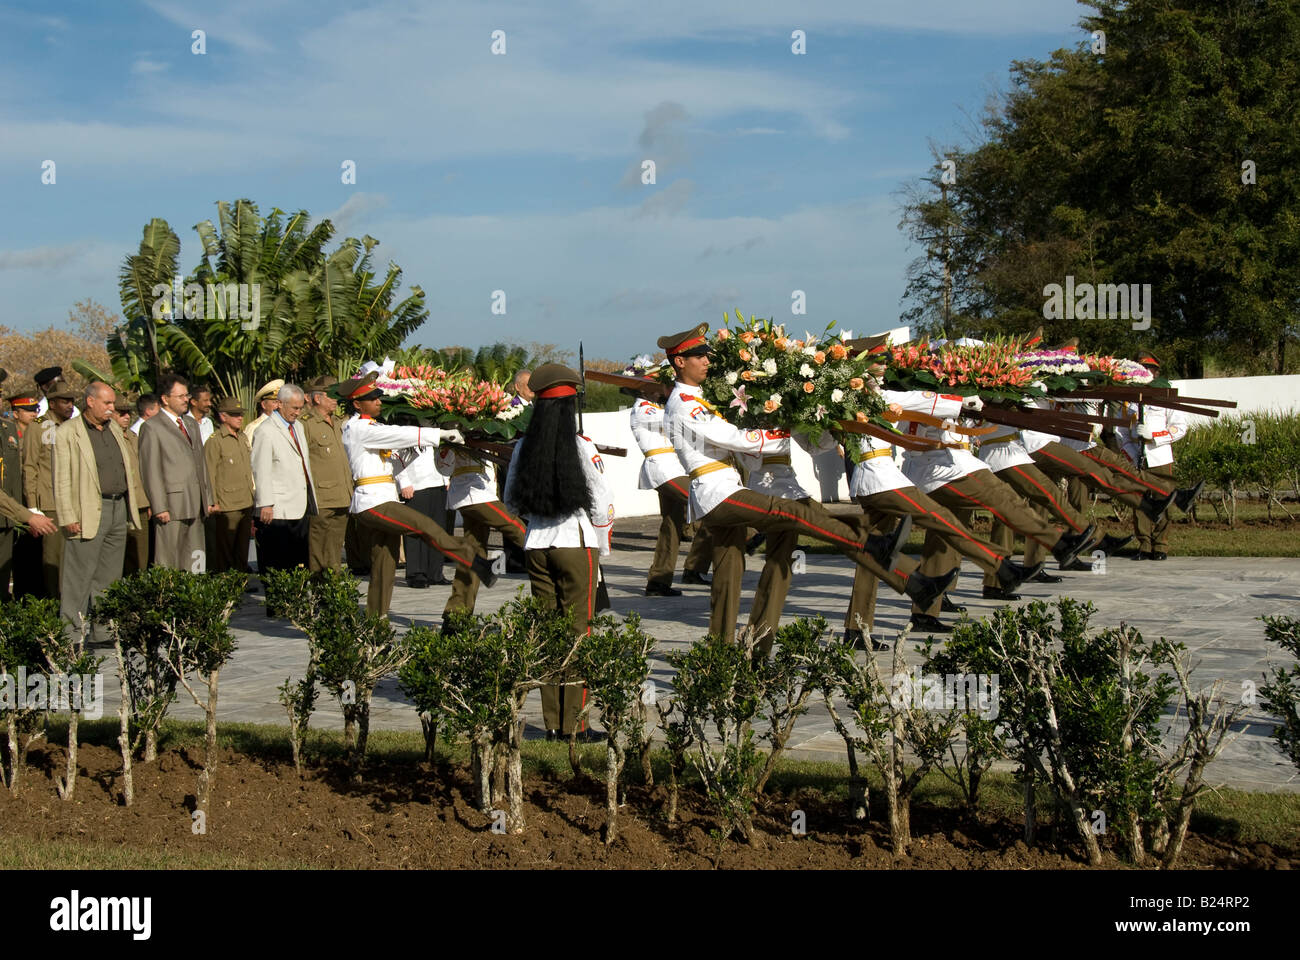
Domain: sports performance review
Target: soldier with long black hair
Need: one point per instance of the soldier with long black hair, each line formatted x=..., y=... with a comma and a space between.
x=556, y=483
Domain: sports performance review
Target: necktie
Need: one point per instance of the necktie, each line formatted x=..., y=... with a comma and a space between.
x=181, y=423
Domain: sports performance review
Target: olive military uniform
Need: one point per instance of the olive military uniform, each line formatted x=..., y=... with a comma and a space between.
x=333, y=477
x=230, y=472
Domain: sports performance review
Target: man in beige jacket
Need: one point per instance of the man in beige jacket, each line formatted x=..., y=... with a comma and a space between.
x=94, y=498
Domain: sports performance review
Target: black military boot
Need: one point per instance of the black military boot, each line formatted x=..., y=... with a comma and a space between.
x=1185, y=497
x=924, y=623
x=1072, y=544
x=1109, y=544
x=884, y=549
x=1154, y=507
x=925, y=590
x=1012, y=575
x=483, y=569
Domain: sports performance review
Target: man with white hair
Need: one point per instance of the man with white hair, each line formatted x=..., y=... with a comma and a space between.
x=284, y=496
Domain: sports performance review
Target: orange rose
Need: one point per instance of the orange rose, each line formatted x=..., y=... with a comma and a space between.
x=860, y=417
x=838, y=351
x=745, y=355
x=807, y=386
x=819, y=357
x=780, y=343
x=768, y=406
x=723, y=334
x=856, y=383
x=746, y=336
x=747, y=375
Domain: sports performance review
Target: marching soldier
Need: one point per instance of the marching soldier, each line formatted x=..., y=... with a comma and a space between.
x=556, y=481
x=28, y=576
x=230, y=472
x=886, y=493
x=381, y=516
x=11, y=482
x=473, y=491
x=706, y=444
x=266, y=401
x=953, y=477
x=333, y=476
x=38, y=475
x=662, y=473
x=1149, y=445
x=136, y=555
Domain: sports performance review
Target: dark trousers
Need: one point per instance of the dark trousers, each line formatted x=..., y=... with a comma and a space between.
x=673, y=498
x=228, y=535
x=382, y=529
x=29, y=576
x=282, y=544
x=480, y=520
x=422, y=559
x=1153, y=537
x=565, y=577
x=139, y=546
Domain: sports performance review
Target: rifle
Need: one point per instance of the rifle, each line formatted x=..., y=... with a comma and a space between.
x=582, y=390
x=498, y=453
x=649, y=389
x=1040, y=420
x=932, y=421
x=904, y=440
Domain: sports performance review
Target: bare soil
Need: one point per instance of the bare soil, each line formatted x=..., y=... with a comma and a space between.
x=423, y=816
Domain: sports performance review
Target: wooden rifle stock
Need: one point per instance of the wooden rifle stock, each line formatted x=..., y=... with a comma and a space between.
x=906, y=441
x=1040, y=420
x=650, y=389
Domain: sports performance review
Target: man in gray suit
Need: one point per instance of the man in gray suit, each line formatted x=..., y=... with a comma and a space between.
x=175, y=479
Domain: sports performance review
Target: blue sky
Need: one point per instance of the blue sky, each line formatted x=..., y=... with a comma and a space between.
x=521, y=172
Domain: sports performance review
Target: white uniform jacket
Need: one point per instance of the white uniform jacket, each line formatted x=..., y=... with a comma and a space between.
x=582, y=528
x=931, y=469
x=472, y=480
x=771, y=473
x=1080, y=406
x=705, y=445
x=661, y=463
x=1035, y=440
x=419, y=469
x=1003, y=449
x=1167, y=426
x=372, y=449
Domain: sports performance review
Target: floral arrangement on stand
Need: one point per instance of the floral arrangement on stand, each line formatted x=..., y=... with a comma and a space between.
x=648, y=368
x=990, y=370
x=760, y=376
x=1120, y=372
x=428, y=394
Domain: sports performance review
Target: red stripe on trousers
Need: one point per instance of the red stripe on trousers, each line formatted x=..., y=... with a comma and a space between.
x=1078, y=473
x=673, y=484
x=781, y=513
x=1039, y=487
x=420, y=533
x=1000, y=517
x=505, y=516
x=957, y=530
x=1131, y=476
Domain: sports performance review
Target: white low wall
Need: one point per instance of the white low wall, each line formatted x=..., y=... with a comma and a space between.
x=1252, y=394
x=824, y=478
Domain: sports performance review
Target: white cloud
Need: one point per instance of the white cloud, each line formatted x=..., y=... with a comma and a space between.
x=356, y=208
x=143, y=65
x=43, y=258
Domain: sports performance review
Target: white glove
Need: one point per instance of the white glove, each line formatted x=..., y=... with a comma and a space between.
x=451, y=436
x=1144, y=431
x=973, y=403
x=947, y=425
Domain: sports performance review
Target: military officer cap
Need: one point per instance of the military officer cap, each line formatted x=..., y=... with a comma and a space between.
x=60, y=390
x=554, y=380
x=877, y=346
x=1035, y=338
x=231, y=407
x=24, y=400
x=271, y=390
x=689, y=343
x=1148, y=359
x=1070, y=346
x=358, y=388
x=321, y=384
x=4, y=374
x=48, y=375
x=122, y=405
